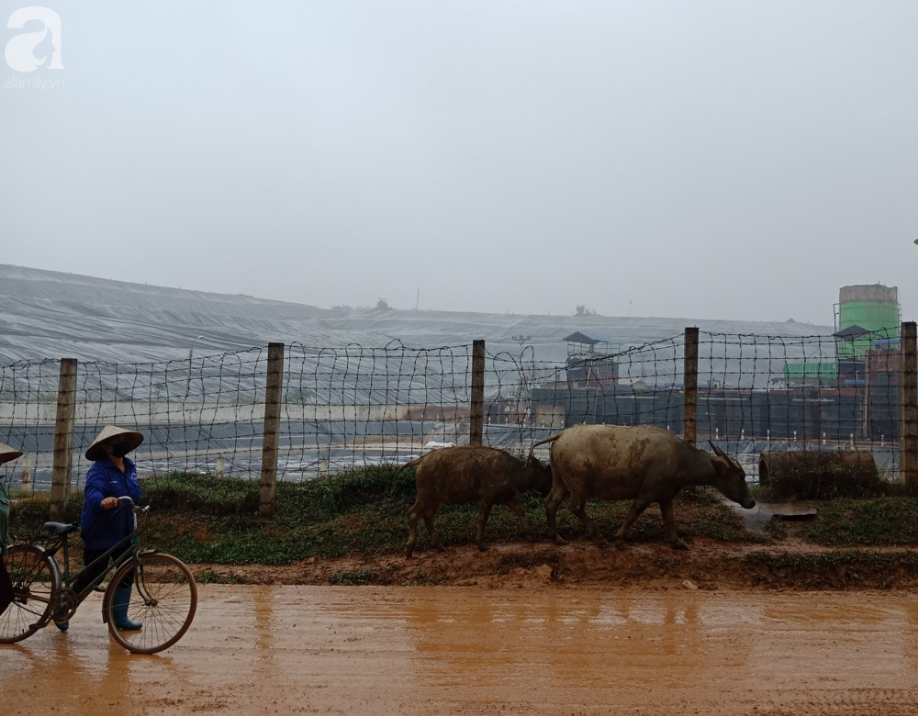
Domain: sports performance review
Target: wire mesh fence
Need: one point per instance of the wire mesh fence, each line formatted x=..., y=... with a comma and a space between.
x=341, y=408
x=642, y=385
x=755, y=394
x=355, y=406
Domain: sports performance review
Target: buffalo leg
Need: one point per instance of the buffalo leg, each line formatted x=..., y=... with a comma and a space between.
x=484, y=511
x=578, y=507
x=414, y=514
x=554, y=498
x=637, y=507
x=666, y=509
x=551, y=512
x=432, y=529
x=412, y=531
x=520, y=513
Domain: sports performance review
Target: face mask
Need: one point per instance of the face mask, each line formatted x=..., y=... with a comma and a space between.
x=121, y=449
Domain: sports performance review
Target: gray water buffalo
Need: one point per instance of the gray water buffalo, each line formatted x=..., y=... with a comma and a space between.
x=469, y=473
x=641, y=463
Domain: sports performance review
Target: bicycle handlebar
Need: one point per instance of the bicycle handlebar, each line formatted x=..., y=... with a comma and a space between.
x=129, y=501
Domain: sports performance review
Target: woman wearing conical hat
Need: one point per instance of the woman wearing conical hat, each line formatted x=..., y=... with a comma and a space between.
x=6, y=585
x=104, y=522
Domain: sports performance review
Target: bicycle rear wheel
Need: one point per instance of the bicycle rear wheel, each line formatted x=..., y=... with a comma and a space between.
x=164, y=599
x=36, y=579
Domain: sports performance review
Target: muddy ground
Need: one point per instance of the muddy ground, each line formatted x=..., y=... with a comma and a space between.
x=468, y=651
x=708, y=565
x=777, y=628
x=786, y=563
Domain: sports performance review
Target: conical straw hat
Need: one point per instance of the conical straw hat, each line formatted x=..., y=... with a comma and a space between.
x=7, y=453
x=96, y=451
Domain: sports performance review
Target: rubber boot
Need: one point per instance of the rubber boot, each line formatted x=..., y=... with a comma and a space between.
x=62, y=625
x=120, y=602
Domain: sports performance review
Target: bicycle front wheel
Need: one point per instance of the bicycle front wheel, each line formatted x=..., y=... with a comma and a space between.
x=163, y=599
x=36, y=579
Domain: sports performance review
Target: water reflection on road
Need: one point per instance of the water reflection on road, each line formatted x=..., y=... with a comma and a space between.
x=564, y=640
x=256, y=649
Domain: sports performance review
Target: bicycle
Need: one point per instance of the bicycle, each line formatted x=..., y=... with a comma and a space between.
x=164, y=597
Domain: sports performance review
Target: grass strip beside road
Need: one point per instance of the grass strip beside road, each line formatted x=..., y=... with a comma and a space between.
x=204, y=519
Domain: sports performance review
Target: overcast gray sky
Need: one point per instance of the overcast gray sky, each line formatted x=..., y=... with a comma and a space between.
x=705, y=159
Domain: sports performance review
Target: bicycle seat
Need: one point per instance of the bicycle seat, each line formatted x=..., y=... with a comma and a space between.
x=59, y=528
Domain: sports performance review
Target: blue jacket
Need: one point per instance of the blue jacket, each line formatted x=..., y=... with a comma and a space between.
x=105, y=528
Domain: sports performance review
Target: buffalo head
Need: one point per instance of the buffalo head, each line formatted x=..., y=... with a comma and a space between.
x=730, y=478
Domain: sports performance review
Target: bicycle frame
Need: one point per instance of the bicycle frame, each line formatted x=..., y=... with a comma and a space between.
x=162, y=598
x=112, y=558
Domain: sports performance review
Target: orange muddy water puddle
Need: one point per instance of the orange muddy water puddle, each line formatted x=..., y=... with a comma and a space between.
x=465, y=650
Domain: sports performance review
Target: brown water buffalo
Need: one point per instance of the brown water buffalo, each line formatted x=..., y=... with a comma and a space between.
x=469, y=473
x=641, y=463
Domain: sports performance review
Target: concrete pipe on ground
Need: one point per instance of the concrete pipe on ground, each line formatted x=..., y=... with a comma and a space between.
x=820, y=474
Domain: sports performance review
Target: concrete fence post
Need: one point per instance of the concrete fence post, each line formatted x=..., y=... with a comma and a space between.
x=27, y=473
x=476, y=418
x=268, y=491
x=63, y=438
x=690, y=387
x=908, y=406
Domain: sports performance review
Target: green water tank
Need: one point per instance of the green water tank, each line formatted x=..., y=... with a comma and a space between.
x=874, y=308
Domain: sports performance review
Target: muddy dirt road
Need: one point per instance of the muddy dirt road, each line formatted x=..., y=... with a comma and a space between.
x=471, y=650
